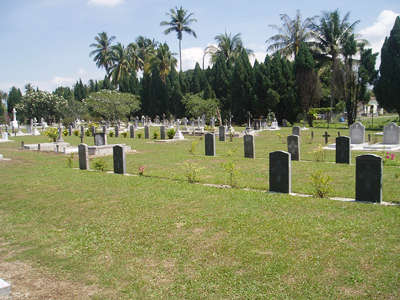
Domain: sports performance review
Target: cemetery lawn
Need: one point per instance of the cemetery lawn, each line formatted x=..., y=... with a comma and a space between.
x=159, y=236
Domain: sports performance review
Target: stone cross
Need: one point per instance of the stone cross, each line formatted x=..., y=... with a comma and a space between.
x=326, y=135
x=230, y=119
x=248, y=115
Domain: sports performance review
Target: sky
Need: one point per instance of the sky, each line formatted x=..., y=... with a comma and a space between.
x=47, y=42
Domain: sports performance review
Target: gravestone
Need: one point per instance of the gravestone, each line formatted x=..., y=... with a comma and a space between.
x=132, y=131
x=60, y=138
x=82, y=131
x=369, y=169
x=357, y=133
x=104, y=128
x=100, y=139
x=326, y=136
x=257, y=124
x=391, y=134
x=70, y=130
x=343, y=150
x=296, y=130
x=162, y=132
x=284, y=123
x=146, y=132
x=222, y=136
x=293, y=142
x=93, y=129
x=249, y=146
x=116, y=131
x=83, y=157
x=209, y=139
x=28, y=129
x=280, y=173
x=4, y=136
x=119, y=159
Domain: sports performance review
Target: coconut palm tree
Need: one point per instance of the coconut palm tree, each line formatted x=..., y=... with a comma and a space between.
x=331, y=35
x=145, y=47
x=162, y=60
x=291, y=34
x=230, y=47
x=102, y=52
x=121, y=63
x=180, y=22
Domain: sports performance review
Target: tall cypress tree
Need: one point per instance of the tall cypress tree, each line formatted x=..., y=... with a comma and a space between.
x=387, y=86
x=14, y=97
x=261, y=86
x=145, y=93
x=175, y=93
x=221, y=83
x=106, y=83
x=77, y=92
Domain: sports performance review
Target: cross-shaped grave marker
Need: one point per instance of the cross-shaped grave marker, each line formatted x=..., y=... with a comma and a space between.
x=326, y=135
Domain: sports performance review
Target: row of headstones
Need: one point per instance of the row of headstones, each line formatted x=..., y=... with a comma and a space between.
x=343, y=148
x=369, y=169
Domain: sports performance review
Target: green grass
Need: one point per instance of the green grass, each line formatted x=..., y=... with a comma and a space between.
x=158, y=236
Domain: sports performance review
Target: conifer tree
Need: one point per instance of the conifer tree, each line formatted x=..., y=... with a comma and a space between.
x=14, y=97
x=175, y=93
x=221, y=83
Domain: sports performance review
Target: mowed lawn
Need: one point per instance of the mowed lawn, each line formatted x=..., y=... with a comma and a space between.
x=159, y=236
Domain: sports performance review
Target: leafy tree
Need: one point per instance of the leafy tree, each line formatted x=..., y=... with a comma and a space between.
x=29, y=87
x=145, y=47
x=102, y=51
x=387, y=86
x=197, y=106
x=3, y=99
x=309, y=85
x=179, y=23
x=230, y=47
x=14, y=97
x=42, y=104
x=106, y=84
x=221, y=83
x=175, y=93
x=112, y=105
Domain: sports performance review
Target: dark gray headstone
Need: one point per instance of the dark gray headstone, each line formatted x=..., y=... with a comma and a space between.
x=104, y=127
x=116, y=131
x=82, y=130
x=249, y=146
x=391, y=134
x=100, y=139
x=293, y=143
x=162, y=132
x=70, y=130
x=60, y=134
x=119, y=159
x=284, y=123
x=221, y=135
x=280, y=173
x=93, y=130
x=343, y=150
x=257, y=124
x=357, y=133
x=296, y=130
x=146, y=132
x=132, y=131
x=209, y=139
x=83, y=157
x=369, y=169
x=28, y=129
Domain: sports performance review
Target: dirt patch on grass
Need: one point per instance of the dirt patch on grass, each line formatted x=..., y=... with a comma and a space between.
x=30, y=283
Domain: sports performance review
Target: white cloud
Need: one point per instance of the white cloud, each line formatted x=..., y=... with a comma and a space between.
x=192, y=55
x=109, y=3
x=81, y=71
x=60, y=81
x=377, y=33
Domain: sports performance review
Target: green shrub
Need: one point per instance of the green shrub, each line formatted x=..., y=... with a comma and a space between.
x=100, y=164
x=232, y=171
x=193, y=147
x=87, y=132
x=171, y=132
x=111, y=133
x=139, y=135
x=190, y=171
x=322, y=184
x=124, y=134
x=76, y=132
x=320, y=153
x=156, y=135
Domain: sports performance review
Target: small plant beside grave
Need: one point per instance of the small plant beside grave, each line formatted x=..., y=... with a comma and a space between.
x=70, y=160
x=190, y=171
x=230, y=153
x=232, y=171
x=88, y=133
x=156, y=134
x=320, y=153
x=282, y=138
x=124, y=134
x=321, y=183
x=76, y=132
x=52, y=133
x=65, y=132
x=193, y=147
x=171, y=132
x=100, y=164
x=111, y=133
x=389, y=159
x=142, y=169
x=139, y=135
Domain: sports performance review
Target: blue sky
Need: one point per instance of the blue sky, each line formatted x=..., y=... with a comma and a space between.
x=46, y=42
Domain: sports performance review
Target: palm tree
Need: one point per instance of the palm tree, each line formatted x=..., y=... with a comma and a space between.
x=121, y=63
x=230, y=47
x=179, y=23
x=29, y=87
x=145, y=47
x=331, y=35
x=102, y=52
x=291, y=34
x=162, y=60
